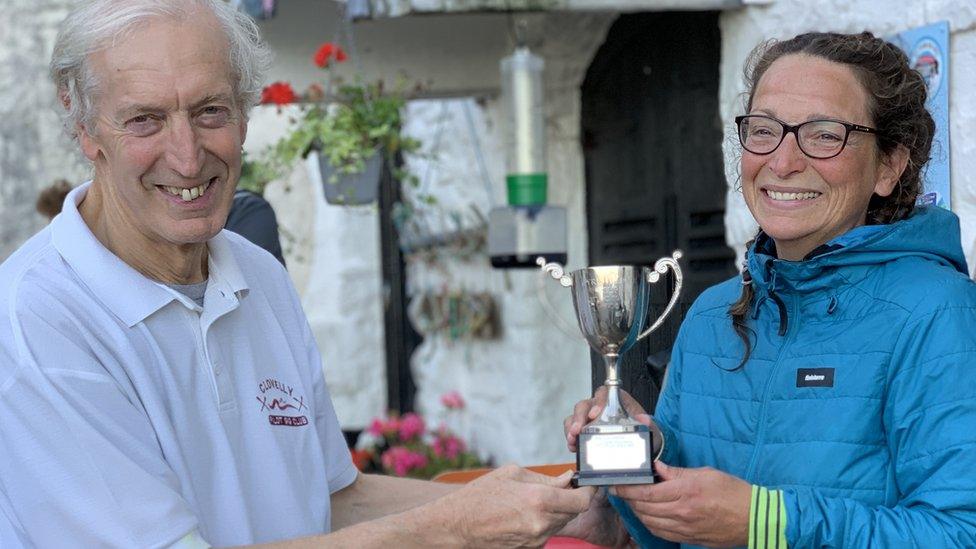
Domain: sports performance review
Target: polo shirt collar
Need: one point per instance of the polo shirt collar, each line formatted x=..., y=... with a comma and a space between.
x=129, y=294
x=224, y=271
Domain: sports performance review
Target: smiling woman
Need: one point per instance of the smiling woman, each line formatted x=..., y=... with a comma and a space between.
x=814, y=183
x=831, y=404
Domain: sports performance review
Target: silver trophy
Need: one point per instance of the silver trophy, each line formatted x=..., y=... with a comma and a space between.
x=612, y=305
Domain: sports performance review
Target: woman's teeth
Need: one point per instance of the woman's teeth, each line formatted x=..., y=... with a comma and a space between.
x=791, y=196
x=188, y=194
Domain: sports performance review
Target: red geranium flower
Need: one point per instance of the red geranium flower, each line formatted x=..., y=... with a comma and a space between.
x=326, y=52
x=360, y=458
x=323, y=54
x=279, y=93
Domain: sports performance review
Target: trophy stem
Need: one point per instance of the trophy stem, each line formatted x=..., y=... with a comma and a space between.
x=613, y=412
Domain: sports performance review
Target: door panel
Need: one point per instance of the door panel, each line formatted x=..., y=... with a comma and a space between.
x=654, y=176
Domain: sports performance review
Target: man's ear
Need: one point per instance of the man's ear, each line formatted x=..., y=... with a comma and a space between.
x=890, y=168
x=65, y=99
x=89, y=145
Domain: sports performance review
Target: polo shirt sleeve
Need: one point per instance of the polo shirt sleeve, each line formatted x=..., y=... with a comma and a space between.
x=80, y=465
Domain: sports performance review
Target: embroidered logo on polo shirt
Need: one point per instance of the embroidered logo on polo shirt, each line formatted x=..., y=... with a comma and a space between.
x=279, y=399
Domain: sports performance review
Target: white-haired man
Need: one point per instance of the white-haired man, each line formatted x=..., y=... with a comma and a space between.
x=159, y=384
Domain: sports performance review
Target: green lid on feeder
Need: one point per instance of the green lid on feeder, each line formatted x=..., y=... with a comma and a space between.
x=528, y=189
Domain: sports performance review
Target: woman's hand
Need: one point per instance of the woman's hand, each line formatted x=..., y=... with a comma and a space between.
x=700, y=506
x=589, y=409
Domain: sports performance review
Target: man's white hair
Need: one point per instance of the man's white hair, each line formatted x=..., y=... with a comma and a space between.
x=99, y=24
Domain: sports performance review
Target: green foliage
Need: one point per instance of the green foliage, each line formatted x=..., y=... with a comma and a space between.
x=254, y=175
x=362, y=119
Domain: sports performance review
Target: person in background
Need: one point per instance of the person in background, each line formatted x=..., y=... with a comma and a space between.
x=827, y=397
x=252, y=217
x=50, y=199
x=159, y=383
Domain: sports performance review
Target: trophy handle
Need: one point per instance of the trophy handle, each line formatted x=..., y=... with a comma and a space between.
x=661, y=267
x=555, y=270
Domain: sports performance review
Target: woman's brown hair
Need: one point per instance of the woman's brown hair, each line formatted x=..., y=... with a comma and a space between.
x=896, y=96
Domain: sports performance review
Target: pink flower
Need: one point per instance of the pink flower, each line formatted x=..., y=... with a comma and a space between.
x=446, y=444
x=401, y=460
x=411, y=426
x=382, y=427
x=376, y=427
x=452, y=400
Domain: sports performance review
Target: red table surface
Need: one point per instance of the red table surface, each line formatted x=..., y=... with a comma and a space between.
x=570, y=543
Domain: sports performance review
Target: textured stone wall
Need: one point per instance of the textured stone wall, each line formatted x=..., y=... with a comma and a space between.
x=33, y=150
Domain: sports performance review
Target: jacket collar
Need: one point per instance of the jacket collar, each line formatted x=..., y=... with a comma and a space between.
x=816, y=271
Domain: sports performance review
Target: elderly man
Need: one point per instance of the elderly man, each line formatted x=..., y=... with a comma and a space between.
x=159, y=384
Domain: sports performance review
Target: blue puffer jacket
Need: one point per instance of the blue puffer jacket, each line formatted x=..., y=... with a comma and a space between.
x=882, y=455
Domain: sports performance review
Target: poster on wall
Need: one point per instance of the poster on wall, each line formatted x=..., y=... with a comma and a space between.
x=928, y=52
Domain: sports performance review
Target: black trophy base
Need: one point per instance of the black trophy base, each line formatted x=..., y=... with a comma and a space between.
x=613, y=455
x=612, y=478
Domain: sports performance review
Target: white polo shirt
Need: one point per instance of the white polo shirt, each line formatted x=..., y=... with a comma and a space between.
x=130, y=416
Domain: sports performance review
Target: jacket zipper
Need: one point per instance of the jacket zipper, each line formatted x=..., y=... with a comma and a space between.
x=784, y=317
x=784, y=330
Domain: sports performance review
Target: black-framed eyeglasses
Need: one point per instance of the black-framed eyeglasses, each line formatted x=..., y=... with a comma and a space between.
x=821, y=139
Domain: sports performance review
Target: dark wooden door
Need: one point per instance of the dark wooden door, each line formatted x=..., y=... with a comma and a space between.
x=654, y=172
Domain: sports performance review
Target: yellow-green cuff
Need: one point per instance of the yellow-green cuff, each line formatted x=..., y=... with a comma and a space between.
x=767, y=519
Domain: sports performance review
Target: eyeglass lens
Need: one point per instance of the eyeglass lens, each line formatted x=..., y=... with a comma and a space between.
x=817, y=138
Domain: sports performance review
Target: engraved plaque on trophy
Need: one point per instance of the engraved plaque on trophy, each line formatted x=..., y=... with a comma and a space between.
x=611, y=306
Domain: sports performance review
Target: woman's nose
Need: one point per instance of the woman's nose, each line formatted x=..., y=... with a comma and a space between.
x=787, y=158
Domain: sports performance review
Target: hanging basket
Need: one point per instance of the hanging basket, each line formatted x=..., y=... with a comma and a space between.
x=350, y=189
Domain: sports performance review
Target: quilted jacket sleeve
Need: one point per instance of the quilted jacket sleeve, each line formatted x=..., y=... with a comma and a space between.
x=666, y=416
x=929, y=421
x=666, y=412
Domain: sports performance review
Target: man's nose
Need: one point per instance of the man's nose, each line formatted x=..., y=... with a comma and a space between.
x=787, y=158
x=185, y=155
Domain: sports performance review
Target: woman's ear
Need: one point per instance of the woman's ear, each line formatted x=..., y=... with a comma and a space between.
x=890, y=168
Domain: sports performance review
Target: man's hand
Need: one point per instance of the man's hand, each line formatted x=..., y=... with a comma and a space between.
x=699, y=506
x=513, y=507
x=589, y=409
x=599, y=525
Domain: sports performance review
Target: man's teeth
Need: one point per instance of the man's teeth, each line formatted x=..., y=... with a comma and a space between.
x=791, y=196
x=188, y=194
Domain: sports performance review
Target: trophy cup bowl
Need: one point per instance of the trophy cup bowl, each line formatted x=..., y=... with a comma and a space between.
x=611, y=305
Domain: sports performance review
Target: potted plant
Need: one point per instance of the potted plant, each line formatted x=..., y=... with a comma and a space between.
x=351, y=129
x=404, y=446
